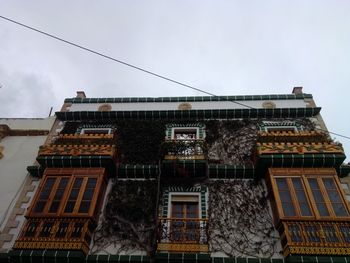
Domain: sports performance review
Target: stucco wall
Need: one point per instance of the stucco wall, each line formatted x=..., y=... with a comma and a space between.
x=195, y=105
x=19, y=152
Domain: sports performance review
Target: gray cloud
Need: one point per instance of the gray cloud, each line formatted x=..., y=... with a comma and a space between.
x=224, y=47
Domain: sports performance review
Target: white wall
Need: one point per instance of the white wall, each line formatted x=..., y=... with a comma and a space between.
x=195, y=105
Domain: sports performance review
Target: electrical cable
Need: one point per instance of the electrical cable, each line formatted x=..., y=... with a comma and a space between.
x=137, y=67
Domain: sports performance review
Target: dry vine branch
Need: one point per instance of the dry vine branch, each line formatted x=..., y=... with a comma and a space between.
x=129, y=221
x=240, y=223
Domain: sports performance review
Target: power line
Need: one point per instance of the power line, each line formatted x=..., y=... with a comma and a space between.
x=137, y=67
x=116, y=60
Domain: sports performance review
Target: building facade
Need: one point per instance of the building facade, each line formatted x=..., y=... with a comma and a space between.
x=184, y=179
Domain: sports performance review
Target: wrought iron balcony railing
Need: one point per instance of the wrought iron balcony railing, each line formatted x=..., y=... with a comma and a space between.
x=325, y=238
x=183, y=235
x=74, y=234
x=76, y=150
x=293, y=136
x=298, y=148
x=89, y=139
x=184, y=149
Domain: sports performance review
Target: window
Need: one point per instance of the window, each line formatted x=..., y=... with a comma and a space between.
x=62, y=195
x=306, y=193
x=185, y=134
x=280, y=126
x=185, y=223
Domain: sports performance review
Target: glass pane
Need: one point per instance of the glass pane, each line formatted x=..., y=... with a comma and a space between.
x=301, y=197
x=58, y=195
x=84, y=207
x=285, y=196
x=318, y=197
x=177, y=210
x=329, y=183
x=313, y=183
x=73, y=195
x=39, y=206
x=281, y=183
x=69, y=207
x=334, y=196
x=288, y=209
x=305, y=209
x=88, y=194
x=322, y=209
x=77, y=182
x=54, y=207
x=91, y=183
x=339, y=209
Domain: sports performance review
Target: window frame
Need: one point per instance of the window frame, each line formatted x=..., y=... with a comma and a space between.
x=176, y=129
x=306, y=174
x=72, y=174
x=184, y=231
x=274, y=126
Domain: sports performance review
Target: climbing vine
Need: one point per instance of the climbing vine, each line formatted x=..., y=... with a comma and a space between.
x=129, y=221
x=240, y=223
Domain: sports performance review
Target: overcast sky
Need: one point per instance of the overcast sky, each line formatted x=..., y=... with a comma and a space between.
x=224, y=47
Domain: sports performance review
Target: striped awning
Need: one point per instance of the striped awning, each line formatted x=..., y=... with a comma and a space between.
x=137, y=171
x=226, y=171
x=76, y=161
x=188, y=114
x=35, y=171
x=184, y=168
x=300, y=160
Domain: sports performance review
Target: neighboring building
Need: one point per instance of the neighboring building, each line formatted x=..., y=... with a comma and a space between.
x=19, y=143
x=180, y=179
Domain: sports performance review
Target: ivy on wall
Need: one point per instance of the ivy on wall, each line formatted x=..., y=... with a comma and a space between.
x=139, y=142
x=240, y=223
x=129, y=221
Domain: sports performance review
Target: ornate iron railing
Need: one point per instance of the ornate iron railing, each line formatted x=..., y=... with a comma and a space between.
x=184, y=149
x=90, y=139
x=76, y=150
x=72, y=234
x=183, y=235
x=292, y=136
x=298, y=148
x=305, y=237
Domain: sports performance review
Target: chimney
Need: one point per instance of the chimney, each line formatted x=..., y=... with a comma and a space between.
x=297, y=90
x=81, y=95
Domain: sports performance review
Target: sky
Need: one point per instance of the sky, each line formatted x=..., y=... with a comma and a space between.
x=223, y=47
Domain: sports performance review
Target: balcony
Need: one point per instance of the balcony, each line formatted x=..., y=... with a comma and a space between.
x=316, y=238
x=85, y=139
x=184, y=150
x=62, y=234
x=77, y=150
x=183, y=235
x=292, y=136
x=299, y=148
